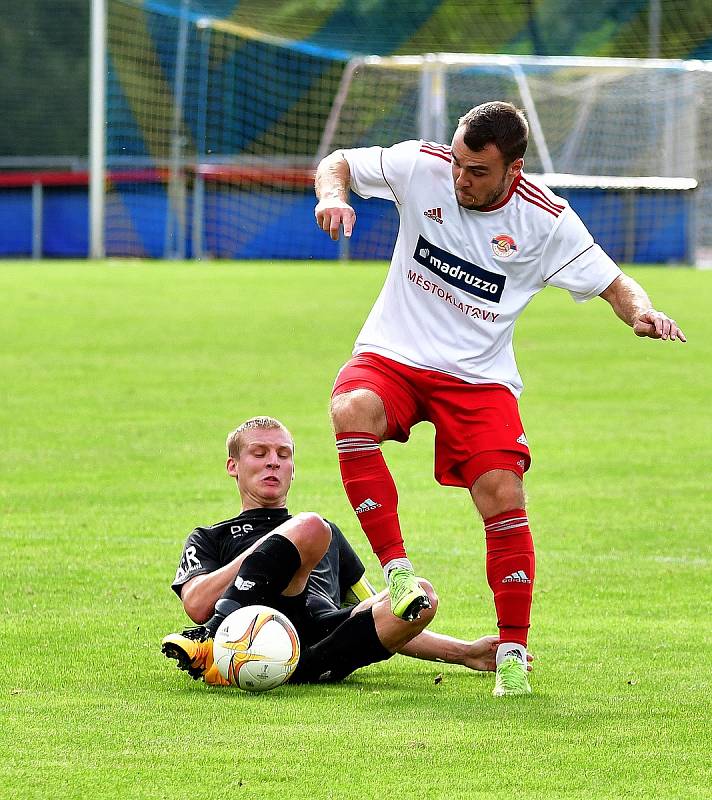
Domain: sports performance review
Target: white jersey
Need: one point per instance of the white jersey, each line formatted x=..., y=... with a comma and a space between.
x=460, y=278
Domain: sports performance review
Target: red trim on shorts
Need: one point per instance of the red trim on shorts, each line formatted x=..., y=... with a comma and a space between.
x=475, y=468
x=470, y=419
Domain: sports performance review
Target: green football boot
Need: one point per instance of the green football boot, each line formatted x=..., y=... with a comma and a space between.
x=408, y=598
x=511, y=679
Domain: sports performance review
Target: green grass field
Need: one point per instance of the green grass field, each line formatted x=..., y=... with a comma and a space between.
x=119, y=383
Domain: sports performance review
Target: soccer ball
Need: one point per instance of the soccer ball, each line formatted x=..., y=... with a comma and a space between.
x=256, y=648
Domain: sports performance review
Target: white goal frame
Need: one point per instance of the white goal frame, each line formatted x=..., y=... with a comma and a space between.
x=432, y=122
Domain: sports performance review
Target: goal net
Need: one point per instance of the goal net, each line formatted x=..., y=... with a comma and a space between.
x=214, y=131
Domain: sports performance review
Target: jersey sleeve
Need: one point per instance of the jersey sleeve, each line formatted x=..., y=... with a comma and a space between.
x=383, y=172
x=199, y=558
x=572, y=260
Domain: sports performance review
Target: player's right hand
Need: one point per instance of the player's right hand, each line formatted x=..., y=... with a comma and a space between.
x=331, y=213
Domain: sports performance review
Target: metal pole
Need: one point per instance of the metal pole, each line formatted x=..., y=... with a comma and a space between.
x=97, y=129
x=201, y=144
x=37, y=219
x=530, y=108
x=432, y=101
x=629, y=202
x=198, y=215
x=654, y=20
x=175, y=222
x=439, y=87
x=333, y=120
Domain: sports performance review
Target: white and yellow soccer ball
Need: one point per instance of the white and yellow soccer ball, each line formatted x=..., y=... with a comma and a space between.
x=256, y=648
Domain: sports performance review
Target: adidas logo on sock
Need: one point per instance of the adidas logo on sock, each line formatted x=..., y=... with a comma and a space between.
x=244, y=585
x=520, y=576
x=522, y=439
x=367, y=505
x=513, y=654
x=434, y=213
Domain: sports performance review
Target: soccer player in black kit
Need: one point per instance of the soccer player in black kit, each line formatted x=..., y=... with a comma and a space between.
x=304, y=567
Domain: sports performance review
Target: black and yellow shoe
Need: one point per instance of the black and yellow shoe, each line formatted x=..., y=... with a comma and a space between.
x=193, y=650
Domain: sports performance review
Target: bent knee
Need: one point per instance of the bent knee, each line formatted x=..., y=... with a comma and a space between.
x=313, y=525
x=358, y=410
x=312, y=536
x=427, y=614
x=498, y=491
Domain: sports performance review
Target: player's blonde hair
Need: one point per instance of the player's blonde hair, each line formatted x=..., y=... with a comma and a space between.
x=234, y=438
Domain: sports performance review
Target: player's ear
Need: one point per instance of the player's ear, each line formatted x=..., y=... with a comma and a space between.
x=516, y=167
x=231, y=467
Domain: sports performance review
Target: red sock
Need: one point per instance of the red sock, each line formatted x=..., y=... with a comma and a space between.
x=372, y=492
x=510, y=572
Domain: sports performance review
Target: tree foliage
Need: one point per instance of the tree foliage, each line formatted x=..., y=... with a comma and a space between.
x=44, y=86
x=44, y=43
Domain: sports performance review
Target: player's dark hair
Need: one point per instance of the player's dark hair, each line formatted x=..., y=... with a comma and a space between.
x=496, y=123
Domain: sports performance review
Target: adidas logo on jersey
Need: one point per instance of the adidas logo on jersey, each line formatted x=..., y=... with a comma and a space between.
x=367, y=505
x=520, y=576
x=434, y=213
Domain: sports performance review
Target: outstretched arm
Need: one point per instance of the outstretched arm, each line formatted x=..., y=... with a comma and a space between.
x=631, y=303
x=397, y=635
x=477, y=655
x=332, y=184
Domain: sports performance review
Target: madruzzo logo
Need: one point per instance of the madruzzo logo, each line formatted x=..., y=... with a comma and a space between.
x=503, y=245
x=459, y=273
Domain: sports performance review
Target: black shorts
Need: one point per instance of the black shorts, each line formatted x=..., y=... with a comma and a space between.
x=349, y=642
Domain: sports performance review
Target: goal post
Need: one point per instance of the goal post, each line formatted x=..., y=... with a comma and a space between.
x=619, y=138
x=214, y=130
x=97, y=128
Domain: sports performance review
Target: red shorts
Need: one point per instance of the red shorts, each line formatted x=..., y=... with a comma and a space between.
x=477, y=426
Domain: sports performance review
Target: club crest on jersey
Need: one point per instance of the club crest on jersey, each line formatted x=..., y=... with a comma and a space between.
x=503, y=245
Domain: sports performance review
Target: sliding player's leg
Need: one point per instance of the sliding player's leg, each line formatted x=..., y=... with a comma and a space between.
x=370, y=634
x=279, y=564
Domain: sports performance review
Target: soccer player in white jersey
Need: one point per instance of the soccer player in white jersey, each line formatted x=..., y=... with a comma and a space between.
x=477, y=240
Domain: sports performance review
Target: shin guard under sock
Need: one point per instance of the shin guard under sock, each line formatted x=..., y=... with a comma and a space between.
x=510, y=572
x=371, y=492
x=263, y=575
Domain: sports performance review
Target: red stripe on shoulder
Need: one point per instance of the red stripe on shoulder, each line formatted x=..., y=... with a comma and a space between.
x=543, y=200
x=526, y=191
x=435, y=146
x=539, y=192
x=537, y=203
x=436, y=154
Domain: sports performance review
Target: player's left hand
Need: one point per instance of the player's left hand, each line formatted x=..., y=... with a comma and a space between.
x=656, y=325
x=481, y=654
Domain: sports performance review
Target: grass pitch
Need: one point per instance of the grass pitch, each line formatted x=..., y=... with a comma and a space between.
x=119, y=382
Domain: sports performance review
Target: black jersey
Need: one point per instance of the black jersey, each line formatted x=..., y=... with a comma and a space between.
x=207, y=549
